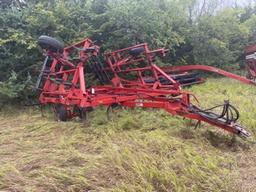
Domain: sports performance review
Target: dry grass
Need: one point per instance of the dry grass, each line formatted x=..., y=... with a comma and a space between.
x=141, y=150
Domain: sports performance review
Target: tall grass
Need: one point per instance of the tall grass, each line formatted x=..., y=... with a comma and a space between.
x=140, y=150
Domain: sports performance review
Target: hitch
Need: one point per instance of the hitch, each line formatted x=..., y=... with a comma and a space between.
x=227, y=119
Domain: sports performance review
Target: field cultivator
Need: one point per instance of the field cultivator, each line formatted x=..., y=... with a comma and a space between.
x=127, y=77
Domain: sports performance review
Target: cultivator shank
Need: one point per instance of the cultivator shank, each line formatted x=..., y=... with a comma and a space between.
x=127, y=77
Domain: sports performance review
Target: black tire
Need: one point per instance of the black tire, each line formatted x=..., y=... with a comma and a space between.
x=62, y=113
x=50, y=43
x=136, y=51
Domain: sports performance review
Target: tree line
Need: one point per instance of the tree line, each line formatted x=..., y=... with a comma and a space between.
x=195, y=31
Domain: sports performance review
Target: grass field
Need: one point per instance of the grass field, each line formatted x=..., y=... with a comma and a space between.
x=141, y=150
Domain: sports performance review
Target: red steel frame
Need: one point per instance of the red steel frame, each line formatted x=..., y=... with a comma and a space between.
x=65, y=83
x=121, y=62
x=209, y=69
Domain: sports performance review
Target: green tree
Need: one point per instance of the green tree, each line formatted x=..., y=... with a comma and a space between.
x=194, y=31
x=219, y=40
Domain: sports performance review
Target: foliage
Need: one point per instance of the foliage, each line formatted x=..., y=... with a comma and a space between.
x=219, y=40
x=194, y=31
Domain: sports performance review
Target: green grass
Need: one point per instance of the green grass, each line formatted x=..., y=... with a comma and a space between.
x=140, y=150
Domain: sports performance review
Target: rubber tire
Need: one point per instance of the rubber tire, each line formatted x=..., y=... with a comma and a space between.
x=136, y=51
x=50, y=43
x=62, y=113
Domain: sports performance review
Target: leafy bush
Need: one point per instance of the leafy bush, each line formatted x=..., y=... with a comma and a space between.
x=193, y=33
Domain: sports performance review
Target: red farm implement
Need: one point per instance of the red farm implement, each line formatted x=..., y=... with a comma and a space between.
x=127, y=77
